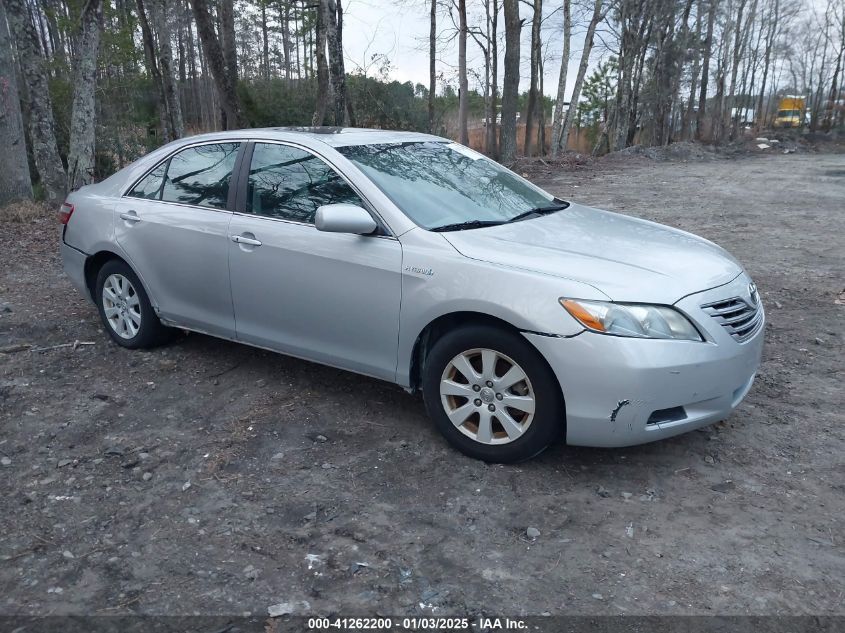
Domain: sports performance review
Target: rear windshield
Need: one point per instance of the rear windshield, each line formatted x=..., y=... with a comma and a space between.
x=439, y=183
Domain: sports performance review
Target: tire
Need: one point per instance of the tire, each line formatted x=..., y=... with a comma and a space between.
x=518, y=438
x=119, y=292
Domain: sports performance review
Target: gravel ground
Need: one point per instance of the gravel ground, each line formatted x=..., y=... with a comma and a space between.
x=210, y=478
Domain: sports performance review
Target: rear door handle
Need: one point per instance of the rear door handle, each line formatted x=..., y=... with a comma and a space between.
x=243, y=239
x=130, y=216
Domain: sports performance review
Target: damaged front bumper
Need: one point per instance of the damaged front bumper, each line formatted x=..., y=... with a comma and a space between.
x=626, y=391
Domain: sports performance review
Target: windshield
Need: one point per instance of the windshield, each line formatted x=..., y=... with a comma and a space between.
x=789, y=113
x=439, y=184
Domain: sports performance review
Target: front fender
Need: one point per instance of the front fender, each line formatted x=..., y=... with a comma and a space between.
x=438, y=281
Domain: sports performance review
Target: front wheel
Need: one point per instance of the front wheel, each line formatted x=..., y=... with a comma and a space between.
x=492, y=395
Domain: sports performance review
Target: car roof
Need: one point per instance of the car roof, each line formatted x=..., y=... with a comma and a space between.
x=332, y=136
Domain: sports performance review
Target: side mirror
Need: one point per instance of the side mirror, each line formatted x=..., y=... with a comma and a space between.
x=344, y=218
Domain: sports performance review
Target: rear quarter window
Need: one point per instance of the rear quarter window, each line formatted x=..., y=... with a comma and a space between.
x=149, y=186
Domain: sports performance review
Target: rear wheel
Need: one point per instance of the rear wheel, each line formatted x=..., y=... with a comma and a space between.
x=491, y=394
x=125, y=309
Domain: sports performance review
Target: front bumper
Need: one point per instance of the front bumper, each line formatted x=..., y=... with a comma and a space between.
x=625, y=391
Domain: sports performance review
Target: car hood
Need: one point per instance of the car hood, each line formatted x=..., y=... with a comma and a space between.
x=626, y=258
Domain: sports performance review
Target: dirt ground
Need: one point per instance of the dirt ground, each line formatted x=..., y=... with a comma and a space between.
x=210, y=478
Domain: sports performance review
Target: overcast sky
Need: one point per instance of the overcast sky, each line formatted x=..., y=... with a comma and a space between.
x=400, y=32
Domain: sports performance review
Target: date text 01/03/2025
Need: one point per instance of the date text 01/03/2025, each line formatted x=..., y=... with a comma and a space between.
x=416, y=624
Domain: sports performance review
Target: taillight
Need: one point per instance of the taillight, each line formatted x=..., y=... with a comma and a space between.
x=65, y=212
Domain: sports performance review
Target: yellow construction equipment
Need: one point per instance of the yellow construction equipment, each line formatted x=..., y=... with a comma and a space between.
x=790, y=112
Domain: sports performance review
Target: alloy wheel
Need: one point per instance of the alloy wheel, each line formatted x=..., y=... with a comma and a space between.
x=487, y=396
x=121, y=306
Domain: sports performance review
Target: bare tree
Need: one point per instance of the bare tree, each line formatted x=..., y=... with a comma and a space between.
x=432, y=66
x=510, y=84
x=705, y=66
x=696, y=63
x=557, y=120
x=227, y=39
x=265, y=40
x=741, y=34
x=226, y=88
x=771, y=33
x=598, y=15
x=492, y=8
x=175, y=125
x=81, y=150
x=463, y=94
x=486, y=40
x=322, y=66
x=531, y=106
x=40, y=108
x=343, y=112
x=15, y=182
x=152, y=68
x=833, y=99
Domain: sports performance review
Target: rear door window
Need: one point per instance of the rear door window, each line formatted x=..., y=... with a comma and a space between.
x=201, y=175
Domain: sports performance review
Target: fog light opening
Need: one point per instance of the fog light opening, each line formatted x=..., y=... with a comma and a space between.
x=661, y=416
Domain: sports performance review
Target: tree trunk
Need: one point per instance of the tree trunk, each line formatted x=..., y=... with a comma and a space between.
x=296, y=45
x=740, y=41
x=633, y=114
x=343, y=113
x=463, y=84
x=322, y=66
x=176, y=127
x=265, y=42
x=152, y=67
x=557, y=120
x=541, y=107
x=718, y=118
x=81, y=149
x=227, y=39
x=597, y=17
x=833, y=98
x=663, y=75
x=676, y=107
x=284, y=18
x=226, y=89
x=494, y=71
x=432, y=66
x=40, y=108
x=510, y=85
x=484, y=44
x=770, y=40
x=696, y=63
x=489, y=114
x=705, y=68
x=531, y=106
x=15, y=182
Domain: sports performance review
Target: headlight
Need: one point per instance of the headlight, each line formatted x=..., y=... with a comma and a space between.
x=638, y=320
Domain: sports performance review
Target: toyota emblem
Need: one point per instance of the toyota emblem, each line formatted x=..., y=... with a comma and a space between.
x=752, y=293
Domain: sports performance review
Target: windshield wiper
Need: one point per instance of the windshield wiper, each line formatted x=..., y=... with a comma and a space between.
x=470, y=224
x=538, y=211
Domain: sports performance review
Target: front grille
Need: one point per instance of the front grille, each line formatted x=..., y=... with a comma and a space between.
x=740, y=318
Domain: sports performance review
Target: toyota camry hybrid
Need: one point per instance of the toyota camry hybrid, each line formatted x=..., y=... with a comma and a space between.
x=407, y=257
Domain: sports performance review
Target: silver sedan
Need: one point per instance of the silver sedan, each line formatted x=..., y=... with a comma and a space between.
x=413, y=259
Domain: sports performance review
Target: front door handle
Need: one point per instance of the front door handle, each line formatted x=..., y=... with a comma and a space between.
x=130, y=216
x=244, y=239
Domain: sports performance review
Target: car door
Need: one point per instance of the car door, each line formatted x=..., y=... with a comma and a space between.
x=173, y=225
x=329, y=297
